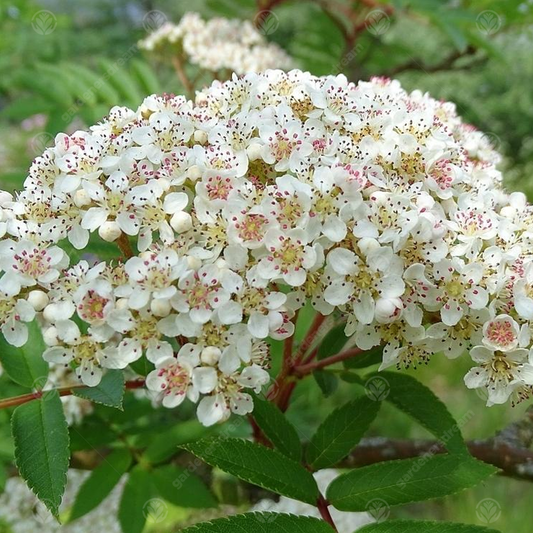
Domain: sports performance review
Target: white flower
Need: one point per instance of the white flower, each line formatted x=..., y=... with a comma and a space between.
x=152, y=276
x=172, y=381
x=27, y=264
x=523, y=293
x=89, y=354
x=458, y=289
x=14, y=312
x=499, y=371
x=288, y=257
x=501, y=333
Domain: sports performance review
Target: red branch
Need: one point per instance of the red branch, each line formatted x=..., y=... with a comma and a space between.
x=63, y=391
x=309, y=368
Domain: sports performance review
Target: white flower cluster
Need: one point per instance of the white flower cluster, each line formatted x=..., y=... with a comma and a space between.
x=269, y=191
x=218, y=44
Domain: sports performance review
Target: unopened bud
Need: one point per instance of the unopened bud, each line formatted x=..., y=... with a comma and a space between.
x=109, y=231
x=210, y=355
x=181, y=222
x=38, y=300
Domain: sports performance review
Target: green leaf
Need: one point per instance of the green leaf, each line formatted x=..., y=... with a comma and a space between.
x=146, y=76
x=109, y=392
x=406, y=481
x=3, y=478
x=42, y=448
x=341, y=432
x=96, y=83
x=100, y=483
x=135, y=501
x=182, y=488
x=277, y=428
x=258, y=465
x=25, y=365
x=122, y=81
x=419, y=402
x=262, y=523
x=164, y=445
x=333, y=342
x=365, y=359
x=413, y=526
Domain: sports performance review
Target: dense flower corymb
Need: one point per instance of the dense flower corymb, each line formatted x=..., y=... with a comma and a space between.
x=268, y=191
x=217, y=44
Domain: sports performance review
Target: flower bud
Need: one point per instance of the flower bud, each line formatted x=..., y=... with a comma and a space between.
x=38, y=300
x=50, y=336
x=367, y=245
x=210, y=355
x=254, y=151
x=123, y=303
x=200, y=136
x=387, y=309
x=181, y=222
x=194, y=173
x=194, y=263
x=109, y=231
x=81, y=198
x=160, y=307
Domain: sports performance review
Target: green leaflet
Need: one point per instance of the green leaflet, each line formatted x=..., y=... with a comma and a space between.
x=277, y=428
x=413, y=526
x=100, y=483
x=406, y=481
x=25, y=365
x=42, y=448
x=258, y=465
x=341, y=432
x=110, y=391
x=262, y=523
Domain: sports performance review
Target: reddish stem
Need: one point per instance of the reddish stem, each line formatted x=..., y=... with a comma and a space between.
x=63, y=391
x=323, y=507
x=309, y=338
x=304, y=370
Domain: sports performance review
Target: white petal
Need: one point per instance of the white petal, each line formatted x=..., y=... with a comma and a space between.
x=205, y=379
